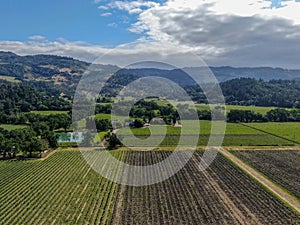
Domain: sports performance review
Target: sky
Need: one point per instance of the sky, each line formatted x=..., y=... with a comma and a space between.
x=244, y=33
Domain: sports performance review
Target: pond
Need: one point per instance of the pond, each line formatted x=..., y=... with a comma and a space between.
x=70, y=137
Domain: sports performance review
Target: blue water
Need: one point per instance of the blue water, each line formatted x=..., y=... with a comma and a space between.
x=70, y=137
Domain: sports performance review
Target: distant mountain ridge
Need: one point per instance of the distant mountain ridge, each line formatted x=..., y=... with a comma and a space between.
x=265, y=73
x=63, y=73
x=46, y=72
x=59, y=76
x=12, y=64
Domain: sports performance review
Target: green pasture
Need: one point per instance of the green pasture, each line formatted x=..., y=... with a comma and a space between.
x=109, y=117
x=235, y=134
x=103, y=116
x=202, y=140
x=190, y=129
x=165, y=135
x=258, y=109
x=12, y=126
x=289, y=130
x=49, y=112
x=100, y=136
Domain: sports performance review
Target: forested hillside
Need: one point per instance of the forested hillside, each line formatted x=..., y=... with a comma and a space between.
x=281, y=93
x=59, y=76
x=248, y=91
x=21, y=98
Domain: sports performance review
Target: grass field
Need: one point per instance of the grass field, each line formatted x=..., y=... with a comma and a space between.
x=283, y=167
x=289, y=130
x=109, y=117
x=258, y=109
x=49, y=112
x=205, y=128
x=100, y=137
x=12, y=126
x=103, y=116
x=229, y=140
x=63, y=189
x=9, y=79
x=235, y=135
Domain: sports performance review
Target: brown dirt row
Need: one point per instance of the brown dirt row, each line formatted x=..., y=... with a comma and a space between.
x=284, y=196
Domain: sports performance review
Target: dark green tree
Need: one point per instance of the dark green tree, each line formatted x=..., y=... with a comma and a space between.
x=113, y=141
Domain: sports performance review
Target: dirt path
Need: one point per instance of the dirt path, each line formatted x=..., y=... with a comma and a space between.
x=119, y=204
x=48, y=155
x=286, y=197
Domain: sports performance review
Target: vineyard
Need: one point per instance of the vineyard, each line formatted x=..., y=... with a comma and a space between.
x=59, y=190
x=220, y=195
x=63, y=189
x=283, y=167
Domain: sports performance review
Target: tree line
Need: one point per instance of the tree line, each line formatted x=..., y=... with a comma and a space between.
x=37, y=137
x=55, y=121
x=148, y=109
x=274, y=115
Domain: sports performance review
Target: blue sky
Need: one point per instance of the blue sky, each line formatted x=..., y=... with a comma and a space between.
x=221, y=32
x=74, y=20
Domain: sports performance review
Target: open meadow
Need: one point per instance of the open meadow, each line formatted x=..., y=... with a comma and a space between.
x=49, y=112
x=258, y=109
x=288, y=130
x=235, y=135
x=12, y=126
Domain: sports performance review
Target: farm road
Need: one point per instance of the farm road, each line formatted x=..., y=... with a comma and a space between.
x=286, y=197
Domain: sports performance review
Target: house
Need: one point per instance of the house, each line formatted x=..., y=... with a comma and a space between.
x=177, y=124
x=147, y=125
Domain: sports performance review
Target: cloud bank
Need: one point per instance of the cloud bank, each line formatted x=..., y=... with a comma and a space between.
x=222, y=32
x=239, y=33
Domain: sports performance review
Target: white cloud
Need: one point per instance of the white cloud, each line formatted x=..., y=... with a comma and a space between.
x=290, y=9
x=132, y=7
x=121, y=55
x=222, y=32
x=103, y=7
x=106, y=14
x=112, y=25
x=37, y=38
x=125, y=19
x=241, y=33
